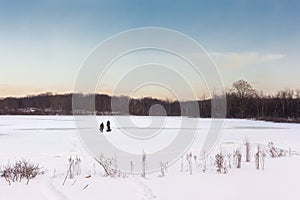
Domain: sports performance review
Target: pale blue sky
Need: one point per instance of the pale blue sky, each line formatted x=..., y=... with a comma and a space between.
x=43, y=43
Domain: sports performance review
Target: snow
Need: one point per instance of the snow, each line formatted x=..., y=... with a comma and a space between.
x=51, y=140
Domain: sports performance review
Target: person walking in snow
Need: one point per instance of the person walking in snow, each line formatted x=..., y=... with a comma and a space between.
x=108, y=126
x=101, y=127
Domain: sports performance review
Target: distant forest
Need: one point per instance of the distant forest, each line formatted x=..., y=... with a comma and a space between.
x=242, y=102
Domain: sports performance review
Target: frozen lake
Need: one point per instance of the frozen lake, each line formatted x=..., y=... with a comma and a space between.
x=37, y=133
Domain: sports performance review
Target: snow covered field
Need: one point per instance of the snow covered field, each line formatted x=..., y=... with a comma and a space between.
x=51, y=140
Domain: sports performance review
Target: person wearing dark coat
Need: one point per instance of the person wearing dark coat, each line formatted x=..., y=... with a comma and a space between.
x=101, y=127
x=108, y=126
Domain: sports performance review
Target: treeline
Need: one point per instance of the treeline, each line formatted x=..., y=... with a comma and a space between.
x=242, y=102
x=49, y=104
x=39, y=105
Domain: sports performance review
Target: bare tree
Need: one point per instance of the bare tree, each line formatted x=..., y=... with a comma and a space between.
x=243, y=91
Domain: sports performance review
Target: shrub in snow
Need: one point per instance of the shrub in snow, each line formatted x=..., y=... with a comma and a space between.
x=181, y=165
x=163, y=169
x=247, y=144
x=196, y=161
x=204, y=161
x=272, y=150
x=220, y=163
x=238, y=158
x=189, y=161
x=282, y=153
x=276, y=152
x=257, y=155
x=260, y=158
x=144, y=165
x=21, y=169
x=77, y=168
x=74, y=167
x=290, y=151
x=71, y=168
x=229, y=160
x=131, y=167
x=109, y=166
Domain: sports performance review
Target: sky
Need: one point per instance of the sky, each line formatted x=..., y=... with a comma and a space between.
x=44, y=43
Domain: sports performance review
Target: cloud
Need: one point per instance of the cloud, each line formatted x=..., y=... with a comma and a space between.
x=237, y=60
